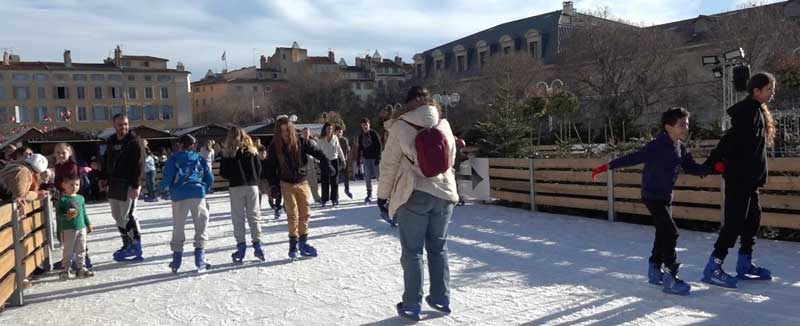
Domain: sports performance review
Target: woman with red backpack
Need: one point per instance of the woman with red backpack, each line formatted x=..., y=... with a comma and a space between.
x=418, y=189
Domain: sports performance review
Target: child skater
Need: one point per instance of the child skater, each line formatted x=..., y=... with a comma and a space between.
x=662, y=158
x=75, y=225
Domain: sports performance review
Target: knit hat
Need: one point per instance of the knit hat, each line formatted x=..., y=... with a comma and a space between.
x=37, y=162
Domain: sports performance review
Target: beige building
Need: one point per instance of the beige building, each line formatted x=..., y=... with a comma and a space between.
x=84, y=96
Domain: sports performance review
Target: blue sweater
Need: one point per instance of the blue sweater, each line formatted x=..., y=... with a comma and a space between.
x=662, y=159
x=186, y=175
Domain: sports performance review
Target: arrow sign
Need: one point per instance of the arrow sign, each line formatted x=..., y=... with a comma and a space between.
x=475, y=177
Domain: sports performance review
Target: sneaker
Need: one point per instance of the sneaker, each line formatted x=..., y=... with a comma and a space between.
x=84, y=273
x=64, y=275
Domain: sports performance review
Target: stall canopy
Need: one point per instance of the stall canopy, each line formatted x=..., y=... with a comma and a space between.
x=20, y=137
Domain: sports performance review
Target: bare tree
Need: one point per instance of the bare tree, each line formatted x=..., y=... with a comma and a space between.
x=310, y=93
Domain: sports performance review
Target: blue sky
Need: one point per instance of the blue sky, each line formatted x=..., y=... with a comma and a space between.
x=197, y=32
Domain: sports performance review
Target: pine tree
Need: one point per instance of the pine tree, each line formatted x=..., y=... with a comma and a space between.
x=507, y=129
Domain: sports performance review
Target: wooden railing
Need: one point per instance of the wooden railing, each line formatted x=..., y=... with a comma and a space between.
x=25, y=245
x=567, y=183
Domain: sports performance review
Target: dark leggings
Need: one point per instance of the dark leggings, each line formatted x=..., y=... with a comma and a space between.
x=742, y=219
x=666, y=233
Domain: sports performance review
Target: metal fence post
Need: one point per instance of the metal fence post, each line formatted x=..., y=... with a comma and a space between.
x=610, y=183
x=532, y=182
x=47, y=214
x=19, y=257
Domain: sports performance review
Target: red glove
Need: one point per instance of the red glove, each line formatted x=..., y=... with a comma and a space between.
x=719, y=167
x=600, y=169
x=460, y=143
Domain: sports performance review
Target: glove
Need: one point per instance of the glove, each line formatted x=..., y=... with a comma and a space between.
x=275, y=191
x=382, y=205
x=719, y=167
x=600, y=169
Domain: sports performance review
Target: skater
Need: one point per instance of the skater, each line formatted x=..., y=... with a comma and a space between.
x=344, y=163
x=19, y=181
x=369, y=153
x=122, y=169
x=420, y=188
x=75, y=225
x=287, y=157
x=150, y=175
x=662, y=157
x=329, y=144
x=65, y=168
x=188, y=177
x=743, y=150
x=241, y=166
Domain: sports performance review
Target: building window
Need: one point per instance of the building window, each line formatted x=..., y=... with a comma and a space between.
x=380, y=84
x=164, y=92
x=255, y=89
x=98, y=77
x=40, y=77
x=196, y=103
x=81, y=92
x=210, y=88
x=284, y=56
x=2, y=93
x=62, y=93
x=60, y=112
x=204, y=102
x=166, y=112
x=79, y=77
x=274, y=76
x=39, y=113
x=439, y=64
x=148, y=77
x=21, y=77
x=117, y=110
x=100, y=113
x=461, y=63
x=82, y=115
x=115, y=77
x=358, y=85
x=146, y=64
x=369, y=85
x=114, y=92
x=41, y=93
x=135, y=113
x=164, y=78
x=506, y=50
x=267, y=89
x=61, y=76
x=21, y=115
x=148, y=92
x=21, y=93
x=131, y=78
x=419, y=70
x=533, y=47
x=98, y=93
x=150, y=112
x=132, y=93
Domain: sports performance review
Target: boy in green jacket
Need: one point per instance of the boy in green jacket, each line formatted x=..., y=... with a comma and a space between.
x=74, y=225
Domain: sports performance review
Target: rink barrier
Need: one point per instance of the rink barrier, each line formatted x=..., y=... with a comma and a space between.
x=26, y=241
x=567, y=183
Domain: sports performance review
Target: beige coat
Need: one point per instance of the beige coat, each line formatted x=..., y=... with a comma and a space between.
x=398, y=177
x=19, y=180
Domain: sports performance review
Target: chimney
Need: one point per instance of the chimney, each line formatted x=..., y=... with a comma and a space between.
x=118, y=56
x=398, y=60
x=6, y=59
x=569, y=9
x=67, y=58
x=263, y=62
x=331, y=56
x=180, y=67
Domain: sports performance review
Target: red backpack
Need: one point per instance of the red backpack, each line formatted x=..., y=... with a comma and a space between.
x=433, y=151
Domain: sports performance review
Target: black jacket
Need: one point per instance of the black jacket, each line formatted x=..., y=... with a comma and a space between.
x=296, y=171
x=242, y=170
x=124, y=159
x=370, y=146
x=743, y=148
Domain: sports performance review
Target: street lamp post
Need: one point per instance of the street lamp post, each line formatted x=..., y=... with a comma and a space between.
x=731, y=66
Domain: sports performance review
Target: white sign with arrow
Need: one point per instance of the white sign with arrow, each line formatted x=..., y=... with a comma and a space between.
x=473, y=179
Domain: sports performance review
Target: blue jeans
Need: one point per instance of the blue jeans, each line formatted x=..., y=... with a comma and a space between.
x=423, y=222
x=150, y=178
x=370, y=171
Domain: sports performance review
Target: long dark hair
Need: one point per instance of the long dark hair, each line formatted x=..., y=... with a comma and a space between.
x=759, y=81
x=282, y=147
x=326, y=131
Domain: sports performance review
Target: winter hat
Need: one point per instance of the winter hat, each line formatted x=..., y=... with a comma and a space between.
x=37, y=162
x=187, y=140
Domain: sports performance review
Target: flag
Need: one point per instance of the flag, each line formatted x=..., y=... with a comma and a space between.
x=223, y=56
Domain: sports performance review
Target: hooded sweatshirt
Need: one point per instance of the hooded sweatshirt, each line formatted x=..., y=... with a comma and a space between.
x=399, y=177
x=187, y=176
x=743, y=148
